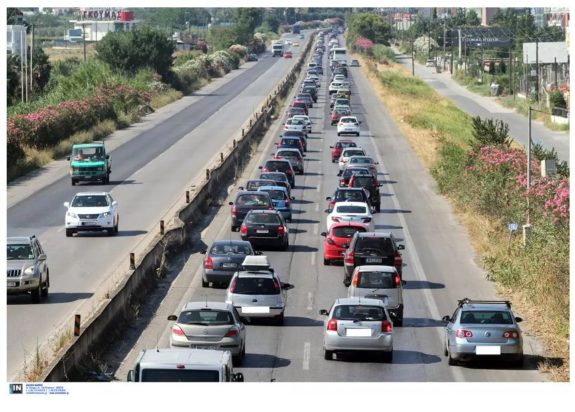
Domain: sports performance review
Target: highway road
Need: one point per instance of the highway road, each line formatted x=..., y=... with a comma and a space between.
x=486, y=107
x=149, y=175
x=440, y=269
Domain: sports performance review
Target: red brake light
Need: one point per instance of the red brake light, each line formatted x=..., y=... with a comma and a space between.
x=276, y=284
x=234, y=210
x=286, y=202
x=397, y=261
x=176, y=330
x=342, y=182
x=232, y=286
x=288, y=171
x=510, y=334
x=396, y=280
x=281, y=229
x=349, y=258
x=463, y=333
x=208, y=263
x=231, y=332
x=332, y=324
x=243, y=230
x=386, y=326
x=355, y=280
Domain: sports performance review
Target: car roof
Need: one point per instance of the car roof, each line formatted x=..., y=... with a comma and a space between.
x=264, y=211
x=358, y=301
x=249, y=192
x=264, y=188
x=348, y=117
x=485, y=306
x=207, y=304
x=376, y=268
x=376, y=234
x=19, y=239
x=91, y=193
x=168, y=357
x=289, y=149
x=87, y=145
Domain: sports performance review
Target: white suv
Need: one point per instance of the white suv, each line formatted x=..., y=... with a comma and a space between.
x=91, y=211
x=348, y=125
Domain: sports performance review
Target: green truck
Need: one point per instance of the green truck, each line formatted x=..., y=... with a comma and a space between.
x=90, y=162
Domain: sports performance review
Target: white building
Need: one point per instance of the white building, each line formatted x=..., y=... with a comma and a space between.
x=96, y=23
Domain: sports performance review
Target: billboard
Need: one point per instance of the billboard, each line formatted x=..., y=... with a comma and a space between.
x=546, y=52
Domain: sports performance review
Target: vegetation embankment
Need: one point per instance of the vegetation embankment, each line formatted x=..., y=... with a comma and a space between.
x=483, y=175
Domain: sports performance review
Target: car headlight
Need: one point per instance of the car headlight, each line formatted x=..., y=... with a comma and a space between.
x=29, y=271
x=106, y=214
x=72, y=215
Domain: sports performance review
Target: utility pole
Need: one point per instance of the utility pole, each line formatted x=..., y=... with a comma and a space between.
x=84, y=39
x=428, y=42
x=26, y=65
x=555, y=67
x=537, y=69
x=510, y=69
x=32, y=65
x=412, y=57
x=444, y=32
x=22, y=65
x=527, y=226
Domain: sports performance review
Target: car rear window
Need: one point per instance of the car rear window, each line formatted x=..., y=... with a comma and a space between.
x=486, y=317
x=347, y=231
x=230, y=250
x=359, y=312
x=353, y=152
x=256, y=286
x=350, y=209
x=348, y=172
x=360, y=181
x=377, y=280
x=361, y=160
x=341, y=145
x=287, y=153
x=263, y=218
x=252, y=200
x=254, y=184
x=290, y=142
x=276, y=177
x=206, y=317
x=380, y=245
x=277, y=165
x=276, y=194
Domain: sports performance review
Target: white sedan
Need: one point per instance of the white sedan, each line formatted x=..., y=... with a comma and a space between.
x=348, y=125
x=351, y=212
x=92, y=211
x=347, y=153
x=298, y=125
x=306, y=120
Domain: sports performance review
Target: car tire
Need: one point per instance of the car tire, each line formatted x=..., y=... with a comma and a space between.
x=286, y=245
x=279, y=320
x=450, y=360
x=110, y=232
x=388, y=356
x=234, y=228
x=338, y=134
x=378, y=208
x=73, y=182
x=205, y=283
x=326, y=262
x=328, y=354
x=346, y=281
x=399, y=318
x=44, y=291
x=116, y=227
x=69, y=232
x=37, y=293
x=237, y=359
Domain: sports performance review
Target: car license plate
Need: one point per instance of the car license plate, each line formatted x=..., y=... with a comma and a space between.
x=262, y=231
x=358, y=332
x=202, y=347
x=255, y=309
x=89, y=223
x=11, y=284
x=373, y=260
x=229, y=265
x=488, y=350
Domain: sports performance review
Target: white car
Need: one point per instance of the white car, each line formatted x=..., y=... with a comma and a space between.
x=315, y=78
x=92, y=211
x=348, y=125
x=299, y=125
x=335, y=86
x=306, y=120
x=358, y=212
x=363, y=161
x=347, y=153
x=338, y=78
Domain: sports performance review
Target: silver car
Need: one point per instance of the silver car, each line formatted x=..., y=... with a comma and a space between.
x=223, y=259
x=480, y=328
x=379, y=282
x=209, y=325
x=26, y=267
x=357, y=324
x=363, y=161
x=257, y=292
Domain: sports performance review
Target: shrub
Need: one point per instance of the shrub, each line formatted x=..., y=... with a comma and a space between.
x=556, y=99
x=489, y=132
x=383, y=53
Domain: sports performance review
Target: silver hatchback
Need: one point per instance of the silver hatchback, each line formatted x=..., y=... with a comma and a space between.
x=379, y=282
x=357, y=324
x=209, y=325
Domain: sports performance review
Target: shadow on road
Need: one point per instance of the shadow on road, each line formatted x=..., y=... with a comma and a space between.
x=423, y=284
x=530, y=362
x=388, y=227
x=263, y=360
x=301, y=321
x=395, y=211
x=422, y=323
x=56, y=297
x=403, y=357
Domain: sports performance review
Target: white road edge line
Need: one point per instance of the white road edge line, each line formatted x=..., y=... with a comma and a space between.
x=315, y=229
x=309, y=301
x=306, y=351
x=313, y=258
x=317, y=207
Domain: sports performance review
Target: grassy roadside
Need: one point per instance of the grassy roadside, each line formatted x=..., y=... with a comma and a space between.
x=433, y=125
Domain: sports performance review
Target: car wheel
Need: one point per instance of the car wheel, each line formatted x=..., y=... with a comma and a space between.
x=450, y=360
x=326, y=262
x=346, y=281
x=286, y=245
x=69, y=232
x=378, y=208
x=116, y=227
x=388, y=356
x=205, y=283
x=237, y=360
x=73, y=182
x=44, y=291
x=279, y=320
x=328, y=354
x=399, y=318
x=37, y=293
x=357, y=134
x=338, y=134
x=110, y=232
x=234, y=228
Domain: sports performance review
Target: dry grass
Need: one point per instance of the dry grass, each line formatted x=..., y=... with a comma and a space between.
x=76, y=50
x=484, y=234
x=165, y=98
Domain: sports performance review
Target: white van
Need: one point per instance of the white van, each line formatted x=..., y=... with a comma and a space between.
x=184, y=365
x=338, y=53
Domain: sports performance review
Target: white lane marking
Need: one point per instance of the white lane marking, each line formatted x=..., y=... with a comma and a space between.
x=313, y=258
x=309, y=301
x=318, y=188
x=317, y=207
x=315, y=227
x=306, y=351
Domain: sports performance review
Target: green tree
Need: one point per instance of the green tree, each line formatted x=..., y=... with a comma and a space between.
x=246, y=21
x=41, y=70
x=369, y=25
x=13, y=79
x=131, y=51
x=490, y=133
x=472, y=19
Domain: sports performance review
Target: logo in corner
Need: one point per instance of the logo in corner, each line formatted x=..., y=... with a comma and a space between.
x=16, y=388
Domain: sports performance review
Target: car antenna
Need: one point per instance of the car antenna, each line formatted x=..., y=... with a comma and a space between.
x=206, y=301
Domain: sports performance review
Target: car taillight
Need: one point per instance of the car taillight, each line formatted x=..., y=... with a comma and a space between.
x=276, y=285
x=397, y=259
x=396, y=280
x=342, y=182
x=335, y=219
x=276, y=157
x=286, y=201
x=208, y=263
x=386, y=326
x=232, y=286
x=231, y=332
x=176, y=330
x=332, y=324
x=281, y=230
x=286, y=127
x=349, y=258
x=234, y=210
x=265, y=169
x=463, y=333
x=355, y=280
x=243, y=230
x=510, y=334
x=340, y=124
x=330, y=241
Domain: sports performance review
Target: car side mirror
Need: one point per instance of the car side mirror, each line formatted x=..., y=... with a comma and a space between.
x=131, y=375
x=359, y=122
x=401, y=247
x=42, y=256
x=231, y=203
x=115, y=203
x=323, y=312
x=260, y=167
x=324, y=234
x=518, y=319
x=446, y=318
x=339, y=173
x=238, y=377
x=403, y=283
x=67, y=204
x=328, y=198
x=379, y=184
x=68, y=157
x=172, y=317
x=331, y=147
x=203, y=252
x=292, y=198
x=241, y=187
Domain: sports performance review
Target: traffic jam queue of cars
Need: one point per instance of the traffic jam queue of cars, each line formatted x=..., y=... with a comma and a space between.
x=372, y=263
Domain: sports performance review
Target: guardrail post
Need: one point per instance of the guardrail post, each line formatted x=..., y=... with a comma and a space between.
x=77, y=325
x=243, y=134
x=234, y=143
x=250, y=122
x=161, y=227
x=207, y=174
x=187, y=196
x=222, y=157
x=132, y=261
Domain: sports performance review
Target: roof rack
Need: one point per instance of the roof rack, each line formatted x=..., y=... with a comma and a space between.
x=466, y=301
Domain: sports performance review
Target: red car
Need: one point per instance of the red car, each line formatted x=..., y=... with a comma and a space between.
x=337, y=240
x=338, y=147
x=300, y=103
x=288, y=54
x=337, y=114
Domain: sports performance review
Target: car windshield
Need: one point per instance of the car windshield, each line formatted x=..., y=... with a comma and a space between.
x=263, y=219
x=347, y=231
x=19, y=252
x=359, y=312
x=381, y=245
x=256, y=286
x=206, y=317
x=252, y=200
x=361, y=181
x=351, y=209
x=493, y=317
x=376, y=280
x=230, y=249
x=90, y=201
x=87, y=153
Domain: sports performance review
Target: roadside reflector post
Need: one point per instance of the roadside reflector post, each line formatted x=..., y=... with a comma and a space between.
x=222, y=157
x=187, y=196
x=77, y=325
x=207, y=174
x=161, y=227
x=234, y=143
x=243, y=134
x=132, y=261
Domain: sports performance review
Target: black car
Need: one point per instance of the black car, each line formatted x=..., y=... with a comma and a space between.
x=246, y=201
x=306, y=97
x=312, y=91
x=343, y=194
x=370, y=184
x=265, y=227
x=279, y=179
x=224, y=258
x=295, y=133
x=372, y=248
x=255, y=184
x=348, y=172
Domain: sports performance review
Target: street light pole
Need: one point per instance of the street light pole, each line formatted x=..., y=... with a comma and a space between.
x=412, y=57
x=84, y=39
x=527, y=226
